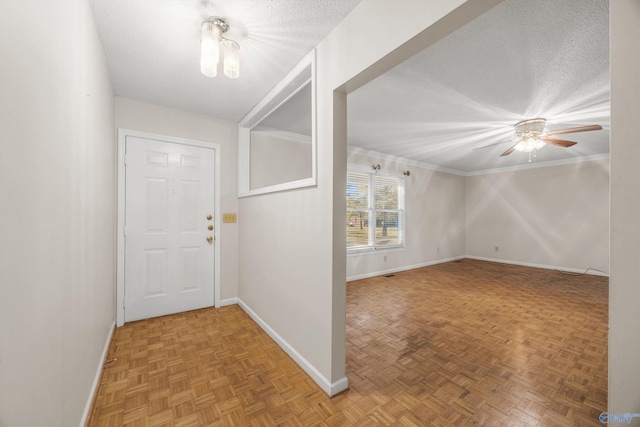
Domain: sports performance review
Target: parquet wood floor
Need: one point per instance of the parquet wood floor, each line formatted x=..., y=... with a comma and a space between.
x=462, y=343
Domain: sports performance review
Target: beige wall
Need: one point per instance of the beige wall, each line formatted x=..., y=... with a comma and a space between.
x=552, y=217
x=285, y=284
x=141, y=116
x=624, y=287
x=556, y=216
x=276, y=160
x=57, y=227
x=296, y=269
x=58, y=206
x=434, y=219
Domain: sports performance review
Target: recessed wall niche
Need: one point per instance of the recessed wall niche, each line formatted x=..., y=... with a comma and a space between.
x=277, y=138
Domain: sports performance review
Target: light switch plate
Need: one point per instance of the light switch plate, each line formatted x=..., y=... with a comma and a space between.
x=229, y=217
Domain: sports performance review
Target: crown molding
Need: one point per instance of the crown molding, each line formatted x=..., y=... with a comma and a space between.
x=551, y=163
x=404, y=160
x=429, y=166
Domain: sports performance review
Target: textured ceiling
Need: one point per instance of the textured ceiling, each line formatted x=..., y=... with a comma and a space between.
x=153, y=48
x=522, y=59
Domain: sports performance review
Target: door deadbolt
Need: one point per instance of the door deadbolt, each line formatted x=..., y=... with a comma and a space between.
x=209, y=217
x=209, y=239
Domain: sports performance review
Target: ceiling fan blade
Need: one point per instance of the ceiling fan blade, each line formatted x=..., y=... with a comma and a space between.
x=510, y=150
x=490, y=145
x=559, y=142
x=573, y=130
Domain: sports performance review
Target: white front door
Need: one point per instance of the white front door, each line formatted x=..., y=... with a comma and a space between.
x=169, y=228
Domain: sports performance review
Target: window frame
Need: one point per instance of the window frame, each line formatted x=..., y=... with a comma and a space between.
x=372, y=211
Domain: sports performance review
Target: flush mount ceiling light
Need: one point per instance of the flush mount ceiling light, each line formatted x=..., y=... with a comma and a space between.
x=210, y=46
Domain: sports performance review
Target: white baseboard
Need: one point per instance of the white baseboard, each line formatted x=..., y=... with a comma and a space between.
x=330, y=388
x=229, y=301
x=404, y=268
x=96, y=380
x=339, y=386
x=546, y=267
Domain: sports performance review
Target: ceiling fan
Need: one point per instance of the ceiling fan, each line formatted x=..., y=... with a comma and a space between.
x=531, y=136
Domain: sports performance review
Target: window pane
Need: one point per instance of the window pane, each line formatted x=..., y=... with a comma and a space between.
x=375, y=211
x=357, y=190
x=386, y=192
x=357, y=229
x=388, y=229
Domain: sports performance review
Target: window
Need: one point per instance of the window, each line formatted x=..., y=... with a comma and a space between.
x=375, y=211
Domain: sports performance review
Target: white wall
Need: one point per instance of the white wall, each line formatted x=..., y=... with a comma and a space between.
x=293, y=272
x=434, y=219
x=57, y=221
x=141, y=116
x=624, y=286
x=555, y=216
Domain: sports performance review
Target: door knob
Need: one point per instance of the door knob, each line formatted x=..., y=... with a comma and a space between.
x=210, y=227
x=209, y=239
x=209, y=217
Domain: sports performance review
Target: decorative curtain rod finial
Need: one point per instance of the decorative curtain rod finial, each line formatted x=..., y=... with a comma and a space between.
x=376, y=167
x=406, y=173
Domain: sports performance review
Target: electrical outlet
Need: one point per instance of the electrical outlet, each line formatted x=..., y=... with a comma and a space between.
x=229, y=217
x=497, y=248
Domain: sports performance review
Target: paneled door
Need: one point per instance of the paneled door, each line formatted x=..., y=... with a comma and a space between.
x=169, y=228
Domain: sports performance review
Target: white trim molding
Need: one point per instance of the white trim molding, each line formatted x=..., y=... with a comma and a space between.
x=524, y=166
x=409, y=162
x=429, y=166
x=293, y=82
x=96, y=380
x=403, y=268
x=330, y=388
x=228, y=301
x=590, y=271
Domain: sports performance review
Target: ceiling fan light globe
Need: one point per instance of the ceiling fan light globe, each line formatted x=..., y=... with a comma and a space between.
x=529, y=144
